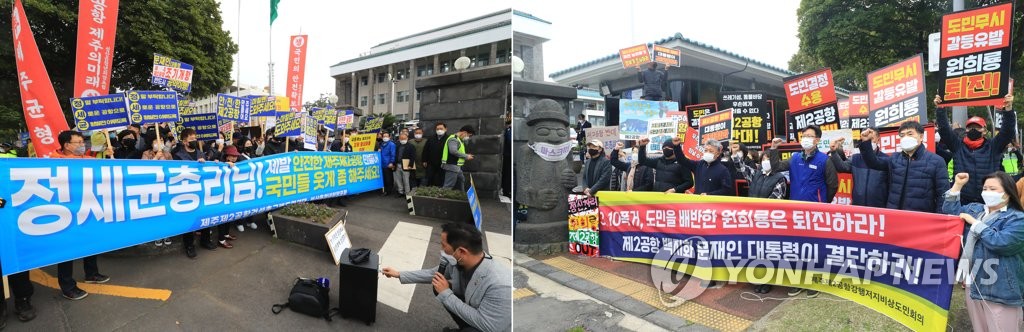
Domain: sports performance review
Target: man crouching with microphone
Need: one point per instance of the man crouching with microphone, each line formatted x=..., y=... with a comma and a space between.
x=476, y=290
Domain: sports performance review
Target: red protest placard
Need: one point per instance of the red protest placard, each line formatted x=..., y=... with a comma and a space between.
x=812, y=99
x=43, y=116
x=844, y=113
x=667, y=56
x=890, y=139
x=975, y=56
x=296, y=71
x=897, y=93
x=859, y=113
x=716, y=125
x=635, y=56
x=97, y=27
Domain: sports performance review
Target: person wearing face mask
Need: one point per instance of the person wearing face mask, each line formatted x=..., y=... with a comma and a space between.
x=157, y=151
x=405, y=163
x=474, y=289
x=636, y=177
x=432, y=155
x=917, y=177
x=189, y=151
x=812, y=177
x=387, y=160
x=669, y=176
x=597, y=170
x=1012, y=160
x=995, y=233
x=127, y=149
x=974, y=153
x=710, y=176
x=454, y=157
x=766, y=182
x=870, y=186
x=419, y=144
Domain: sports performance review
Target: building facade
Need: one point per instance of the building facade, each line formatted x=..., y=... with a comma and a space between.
x=383, y=80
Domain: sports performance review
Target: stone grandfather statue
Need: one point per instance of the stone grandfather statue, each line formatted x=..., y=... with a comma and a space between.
x=544, y=176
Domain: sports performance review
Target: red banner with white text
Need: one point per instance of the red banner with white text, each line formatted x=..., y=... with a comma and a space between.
x=97, y=27
x=296, y=71
x=43, y=115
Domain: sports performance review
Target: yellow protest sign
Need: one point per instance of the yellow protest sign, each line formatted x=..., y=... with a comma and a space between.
x=363, y=142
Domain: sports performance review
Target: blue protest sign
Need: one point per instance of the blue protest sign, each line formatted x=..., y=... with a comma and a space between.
x=232, y=108
x=100, y=112
x=170, y=73
x=61, y=211
x=474, y=206
x=152, y=106
x=205, y=125
x=309, y=132
x=288, y=125
x=261, y=106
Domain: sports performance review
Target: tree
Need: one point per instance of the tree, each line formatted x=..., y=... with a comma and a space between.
x=186, y=30
x=855, y=37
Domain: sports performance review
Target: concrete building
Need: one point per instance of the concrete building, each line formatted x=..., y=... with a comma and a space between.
x=383, y=80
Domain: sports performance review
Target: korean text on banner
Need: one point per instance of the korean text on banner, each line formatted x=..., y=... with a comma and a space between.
x=660, y=131
x=205, y=125
x=897, y=93
x=634, y=114
x=363, y=142
x=283, y=105
x=859, y=112
x=716, y=126
x=153, y=106
x=889, y=139
x=812, y=99
x=975, y=56
x=874, y=257
x=121, y=203
x=373, y=125
x=296, y=70
x=261, y=106
x=170, y=73
x=232, y=108
x=752, y=125
x=309, y=132
x=100, y=112
x=43, y=115
x=97, y=27
x=607, y=135
x=288, y=125
x=667, y=56
x=583, y=221
x=635, y=56
x=694, y=112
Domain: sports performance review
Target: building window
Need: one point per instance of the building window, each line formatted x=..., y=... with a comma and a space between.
x=402, y=96
x=424, y=70
x=364, y=80
x=400, y=117
x=447, y=66
x=402, y=74
x=381, y=99
x=381, y=77
x=501, y=57
x=480, y=60
x=363, y=101
x=418, y=96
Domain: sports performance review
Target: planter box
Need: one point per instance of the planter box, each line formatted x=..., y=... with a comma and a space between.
x=441, y=208
x=304, y=231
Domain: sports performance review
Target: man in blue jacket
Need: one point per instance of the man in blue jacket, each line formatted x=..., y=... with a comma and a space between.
x=974, y=154
x=387, y=160
x=812, y=177
x=597, y=171
x=870, y=186
x=918, y=178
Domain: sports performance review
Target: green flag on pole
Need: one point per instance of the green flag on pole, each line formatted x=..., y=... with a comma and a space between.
x=273, y=10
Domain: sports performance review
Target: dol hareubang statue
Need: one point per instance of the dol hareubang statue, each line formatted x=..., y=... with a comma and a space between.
x=544, y=177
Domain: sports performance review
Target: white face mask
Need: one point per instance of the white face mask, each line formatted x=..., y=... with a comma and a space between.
x=440, y=133
x=552, y=152
x=708, y=157
x=418, y=136
x=386, y=139
x=346, y=139
x=908, y=143
x=992, y=198
x=403, y=141
x=807, y=143
x=766, y=166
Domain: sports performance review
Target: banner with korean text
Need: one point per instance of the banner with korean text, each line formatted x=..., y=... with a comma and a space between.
x=635, y=55
x=752, y=123
x=97, y=27
x=583, y=220
x=897, y=93
x=898, y=263
x=812, y=99
x=694, y=112
x=153, y=106
x=363, y=142
x=608, y=135
x=667, y=56
x=860, y=116
x=634, y=114
x=88, y=207
x=170, y=73
x=232, y=108
x=100, y=112
x=975, y=56
x=43, y=115
x=716, y=125
x=296, y=71
x=261, y=106
x=660, y=131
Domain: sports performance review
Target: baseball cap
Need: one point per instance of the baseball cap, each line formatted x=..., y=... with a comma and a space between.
x=976, y=120
x=595, y=142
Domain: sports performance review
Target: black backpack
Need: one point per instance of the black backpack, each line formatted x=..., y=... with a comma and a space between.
x=309, y=298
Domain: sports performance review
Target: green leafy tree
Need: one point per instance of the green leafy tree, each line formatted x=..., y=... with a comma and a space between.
x=186, y=30
x=855, y=37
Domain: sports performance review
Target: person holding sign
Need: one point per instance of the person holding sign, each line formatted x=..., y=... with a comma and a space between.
x=597, y=170
x=669, y=176
x=405, y=155
x=637, y=177
x=710, y=176
x=653, y=81
x=996, y=233
x=870, y=186
x=917, y=177
x=189, y=151
x=975, y=154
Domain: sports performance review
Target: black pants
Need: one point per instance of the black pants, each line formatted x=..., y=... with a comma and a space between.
x=389, y=181
x=435, y=176
x=66, y=272
x=188, y=239
x=224, y=229
x=21, y=288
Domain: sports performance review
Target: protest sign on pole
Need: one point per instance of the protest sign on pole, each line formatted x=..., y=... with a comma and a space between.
x=667, y=56
x=283, y=105
x=261, y=106
x=694, y=112
x=635, y=56
x=752, y=125
x=43, y=115
x=373, y=125
x=289, y=125
x=152, y=106
x=660, y=131
x=897, y=94
x=634, y=114
x=827, y=137
x=296, y=70
x=363, y=142
x=97, y=29
x=844, y=113
x=692, y=145
x=812, y=100
x=975, y=56
x=232, y=108
x=716, y=126
x=170, y=73
x=860, y=115
x=205, y=125
x=100, y=112
x=583, y=224
x=309, y=132
x=607, y=135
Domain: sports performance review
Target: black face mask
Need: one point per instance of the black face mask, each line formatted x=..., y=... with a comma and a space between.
x=193, y=145
x=667, y=153
x=973, y=134
x=128, y=144
x=593, y=152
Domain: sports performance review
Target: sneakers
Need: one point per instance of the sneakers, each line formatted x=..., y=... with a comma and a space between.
x=710, y=284
x=167, y=241
x=24, y=310
x=96, y=279
x=240, y=228
x=190, y=251
x=794, y=292
x=159, y=243
x=253, y=225
x=224, y=244
x=763, y=289
x=75, y=294
x=812, y=294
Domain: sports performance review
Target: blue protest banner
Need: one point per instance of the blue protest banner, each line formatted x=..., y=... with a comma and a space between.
x=288, y=125
x=261, y=106
x=232, y=108
x=63, y=211
x=100, y=112
x=373, y=125
x=309, y=132
x=170, y=73
x=474, y=206
x=205, y=125
x=152, y=106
